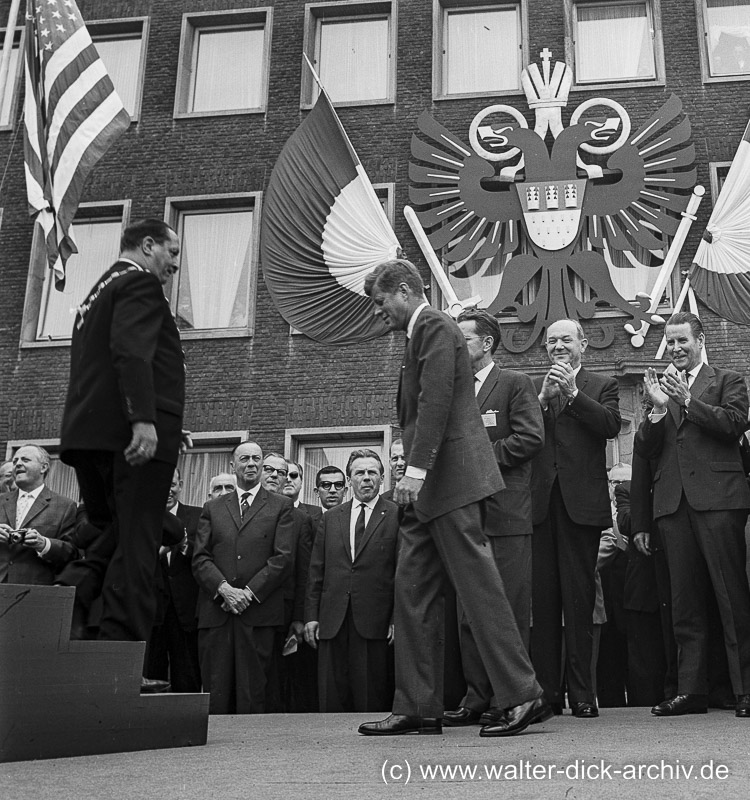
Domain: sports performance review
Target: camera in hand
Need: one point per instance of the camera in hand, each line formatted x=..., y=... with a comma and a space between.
x=18, y=536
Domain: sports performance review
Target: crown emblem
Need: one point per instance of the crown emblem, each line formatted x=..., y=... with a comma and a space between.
x=545, y=90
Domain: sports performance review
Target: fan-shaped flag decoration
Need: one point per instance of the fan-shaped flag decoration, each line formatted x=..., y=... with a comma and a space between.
x=323, y=230
x=720, y=274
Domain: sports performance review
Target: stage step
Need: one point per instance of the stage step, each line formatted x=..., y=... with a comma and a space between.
x=61, y=698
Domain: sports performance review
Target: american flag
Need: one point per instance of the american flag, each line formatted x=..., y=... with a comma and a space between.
x=72, y=115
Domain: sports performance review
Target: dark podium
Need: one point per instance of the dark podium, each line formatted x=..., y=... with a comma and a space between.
x=61, y=698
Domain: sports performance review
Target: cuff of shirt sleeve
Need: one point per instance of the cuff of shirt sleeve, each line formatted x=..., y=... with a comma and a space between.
x=416, y=472
x=43, y=552
x=252, y=594
x=655, y=416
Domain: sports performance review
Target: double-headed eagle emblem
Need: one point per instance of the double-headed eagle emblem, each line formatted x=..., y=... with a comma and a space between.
x=545, y=221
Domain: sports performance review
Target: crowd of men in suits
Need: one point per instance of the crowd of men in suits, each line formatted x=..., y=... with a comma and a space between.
x=500, y=507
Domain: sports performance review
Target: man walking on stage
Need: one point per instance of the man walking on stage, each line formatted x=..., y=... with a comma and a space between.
x=451, y=471
x=122, y=428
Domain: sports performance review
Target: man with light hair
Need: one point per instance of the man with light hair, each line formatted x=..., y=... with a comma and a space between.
x=221, y=484
x=36, y=524
x=7, y=481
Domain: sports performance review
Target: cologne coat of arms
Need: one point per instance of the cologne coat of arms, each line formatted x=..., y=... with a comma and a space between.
x=546, y=211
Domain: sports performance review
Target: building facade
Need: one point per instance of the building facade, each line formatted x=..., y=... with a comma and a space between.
x=216, y=87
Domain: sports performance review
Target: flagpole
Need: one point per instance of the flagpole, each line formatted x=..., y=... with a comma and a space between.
x=455, y=306
x=10, y=32
x=638, y=335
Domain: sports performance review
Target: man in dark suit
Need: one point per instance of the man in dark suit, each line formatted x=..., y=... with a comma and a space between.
x=513, y=421
x=122, y=428
x=173, y=648
x=700, y=499
x=349, y=602
x=302, y=665
x=451, y=472
x=330, y=486
x=570, y=509
x=221, y=484
x=7, y=480
x=47, y=519
x=244, y=551
x=398, y=466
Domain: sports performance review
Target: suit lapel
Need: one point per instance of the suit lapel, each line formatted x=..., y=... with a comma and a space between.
x=8, y=508
x=233, y=506
x=376, y=517
x=488, y=386
x=702, y=381
x=342, y=520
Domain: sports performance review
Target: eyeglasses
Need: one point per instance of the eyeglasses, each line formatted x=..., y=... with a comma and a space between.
x=293, y=476
x=269, y=470
x=338, y=485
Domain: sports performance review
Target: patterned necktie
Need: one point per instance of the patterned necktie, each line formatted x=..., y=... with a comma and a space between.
x=22, y=508
x=244, y=505
x=359, y=528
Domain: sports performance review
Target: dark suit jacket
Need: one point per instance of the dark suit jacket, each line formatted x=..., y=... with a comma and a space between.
x=640, y=591
x=517, y=436
x=314, y=512
x=442, y=429
x=178, y=572
x=256, y=552
x=335, y=581
x=575, y=451
x=126, y=365
x=53, y=516
x=699, y=455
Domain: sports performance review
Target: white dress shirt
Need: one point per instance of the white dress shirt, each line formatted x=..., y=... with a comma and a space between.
x=354, y=515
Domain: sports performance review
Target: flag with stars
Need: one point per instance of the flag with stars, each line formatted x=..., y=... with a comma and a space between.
x=72, y=115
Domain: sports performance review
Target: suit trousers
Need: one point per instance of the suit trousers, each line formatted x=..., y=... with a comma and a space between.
x=512, y=555
x=126, y=505
x=172, y=654
x=353, y=671
x=235, y=659
x=454, y=543
x=706, y=551
x=563, y=564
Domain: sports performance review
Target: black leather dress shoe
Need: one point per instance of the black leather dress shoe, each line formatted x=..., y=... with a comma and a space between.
x=742, y=709
x=153, y=686
x=585, y=710
x=398, y=724
x=518, y=718
x=461, y=716
x=681, y=704
x=492, y=715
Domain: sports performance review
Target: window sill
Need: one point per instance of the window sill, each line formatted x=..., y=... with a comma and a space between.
x=230, y=112
x=352, y=103
x=479, y=95
x=624, y=84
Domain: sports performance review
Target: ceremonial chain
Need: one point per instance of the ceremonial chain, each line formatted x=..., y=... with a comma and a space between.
x=85, y=306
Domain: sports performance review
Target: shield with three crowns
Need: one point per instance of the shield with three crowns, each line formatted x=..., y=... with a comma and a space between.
x=552, y=211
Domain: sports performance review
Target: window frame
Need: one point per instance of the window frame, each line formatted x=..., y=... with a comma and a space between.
x=296, y=437
x=653, y=11
x=38, y=268
x=347, y=10
x=19, y=37
x=117, y=29
x=440, y=10
x=701, y=15
x=237, y=18
x=173, y=206
x=716, y=180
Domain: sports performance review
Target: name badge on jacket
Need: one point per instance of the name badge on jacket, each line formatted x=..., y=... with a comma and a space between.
x=489, y=419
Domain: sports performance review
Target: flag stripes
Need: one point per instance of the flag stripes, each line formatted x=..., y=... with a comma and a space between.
x=72, y=115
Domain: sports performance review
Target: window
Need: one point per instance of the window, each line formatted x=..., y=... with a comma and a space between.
x=12, y=82
x=479, y=48
x=210, y=454
x=352, y=46
x=211, y=292
x=384, y=191
x=316, y=448
x=122, y=45
x=719, y=172
x=224, y=60
x=615, y=42
x=725, y=25
x=48, y=313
